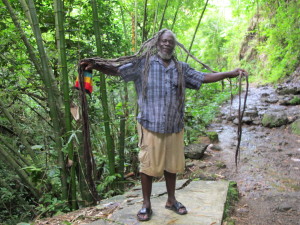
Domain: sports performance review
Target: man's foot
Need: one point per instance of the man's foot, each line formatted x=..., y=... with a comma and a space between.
x=178, y=208
x=144, y=214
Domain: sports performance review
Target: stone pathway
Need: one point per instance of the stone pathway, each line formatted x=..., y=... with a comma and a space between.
x=204, y=200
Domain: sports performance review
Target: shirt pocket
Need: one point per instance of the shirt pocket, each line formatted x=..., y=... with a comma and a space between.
x=174, y=87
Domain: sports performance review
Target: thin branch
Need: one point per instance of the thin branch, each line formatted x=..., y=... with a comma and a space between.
x=199, y=21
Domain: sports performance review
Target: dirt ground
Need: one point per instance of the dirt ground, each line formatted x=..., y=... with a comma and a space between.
x=268, y=172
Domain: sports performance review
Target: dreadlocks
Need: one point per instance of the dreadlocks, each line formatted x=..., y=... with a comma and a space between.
x=148, y=49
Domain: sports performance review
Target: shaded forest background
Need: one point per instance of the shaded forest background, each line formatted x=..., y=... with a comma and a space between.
x=49, y=161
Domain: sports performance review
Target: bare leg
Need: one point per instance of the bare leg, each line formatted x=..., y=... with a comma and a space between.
x=146, y=189
x=171, y=184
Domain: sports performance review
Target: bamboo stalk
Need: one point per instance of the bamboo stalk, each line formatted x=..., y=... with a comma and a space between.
x=163, y=15
x=34, y=110
x=123, y=119
x=29, y=47
x=21, y=173
x=61, y=43
x=18, y=130
x=175, y=16
x=123, y=23
x=122, y=147
x=54, y=87
x=107, y=121
x=26, y=11
x=199, y=21
x=108, y=136
x=15, y=153
x=52, y=96
x=133, y=41
x=144, y=22
x=135, y=24
x=155, y=19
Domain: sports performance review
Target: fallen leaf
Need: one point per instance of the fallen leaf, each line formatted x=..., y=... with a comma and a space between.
x=75, y=112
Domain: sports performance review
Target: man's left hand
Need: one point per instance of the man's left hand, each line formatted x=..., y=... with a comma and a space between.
x=237, y=72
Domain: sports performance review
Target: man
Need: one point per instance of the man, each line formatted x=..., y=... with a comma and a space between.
x=160, y=81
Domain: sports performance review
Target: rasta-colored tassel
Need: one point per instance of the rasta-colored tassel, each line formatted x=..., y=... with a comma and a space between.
x=87, y=81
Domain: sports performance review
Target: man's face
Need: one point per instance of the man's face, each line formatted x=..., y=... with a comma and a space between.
x=166, y=45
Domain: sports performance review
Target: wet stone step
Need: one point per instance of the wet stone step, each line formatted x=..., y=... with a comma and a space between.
x=204, y=201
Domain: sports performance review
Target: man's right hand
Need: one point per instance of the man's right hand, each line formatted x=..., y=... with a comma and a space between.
x=87, y=65
x=102, y=67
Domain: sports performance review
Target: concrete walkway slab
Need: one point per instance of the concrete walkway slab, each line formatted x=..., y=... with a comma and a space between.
x=204, y=200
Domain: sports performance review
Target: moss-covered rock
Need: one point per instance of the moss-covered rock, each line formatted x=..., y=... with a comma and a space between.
x=274, y=119
x=296, y=127
x=213, y=136
x=232, y=197
x=295, y=101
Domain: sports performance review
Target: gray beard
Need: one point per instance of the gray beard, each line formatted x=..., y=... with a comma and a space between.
x=165, y=56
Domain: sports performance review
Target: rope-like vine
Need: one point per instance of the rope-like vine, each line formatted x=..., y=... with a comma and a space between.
x=241, y=111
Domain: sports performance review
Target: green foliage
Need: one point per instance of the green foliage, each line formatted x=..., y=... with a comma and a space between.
x=295, y=101
x=213, y=136
x=50, y=205
x=105, y=188
x=295, y=126
x=278, y=40
x=13, y=206
x=203, y=106
x=282, y=45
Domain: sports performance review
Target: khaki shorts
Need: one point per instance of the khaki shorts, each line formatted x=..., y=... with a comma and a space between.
x=159, y=152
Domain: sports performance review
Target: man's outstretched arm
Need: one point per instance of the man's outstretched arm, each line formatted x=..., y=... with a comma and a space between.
x=214, y=77
x=104, y=68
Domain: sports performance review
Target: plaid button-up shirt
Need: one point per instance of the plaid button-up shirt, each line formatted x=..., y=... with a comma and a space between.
x=159, y=111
